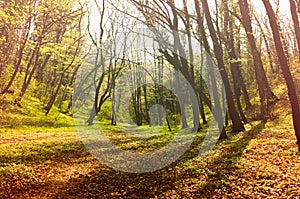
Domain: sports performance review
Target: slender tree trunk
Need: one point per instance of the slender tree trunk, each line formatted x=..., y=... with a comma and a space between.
x=95, y=108
x=29, y=75
x=113, y=115
x=285, y=69
x=267, y=44
x=242, y=81
x=184, y=69
x=19, y=59
x=264, y=89
x=201, y=104
x=53, y=97
x=92, y=116
x=237, y=125
x=211, y=74
x=234, y=63
x=40, y=72
x=113, y=105
x=146, y=103
x=294, y=14
x=197, y=125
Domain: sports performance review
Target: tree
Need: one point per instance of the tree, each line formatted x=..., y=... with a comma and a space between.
x=24, y=22
x=204, y=41
x=265, y=92
x=237, y=125
x=295, y=18
x=156, y=16
x=109, y=70
x=49, y=25
x=68, y=53
x=235, y=64
x=285, y=69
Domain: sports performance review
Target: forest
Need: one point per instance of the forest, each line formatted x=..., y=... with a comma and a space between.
x=149, y=99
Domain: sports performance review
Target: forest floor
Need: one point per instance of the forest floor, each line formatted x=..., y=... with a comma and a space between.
x=261, y=162
x=38, y=161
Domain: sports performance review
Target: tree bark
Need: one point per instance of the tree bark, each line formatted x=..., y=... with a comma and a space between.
x=295, y=18
x=19, y=59
x=285, y=69
x=237, y=125
x=211, y=72
x=234, y=63
x=264, y=89
x=53, y=97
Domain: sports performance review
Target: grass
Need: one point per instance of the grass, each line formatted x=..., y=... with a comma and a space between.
x=43, y=157
x=30, y=116
x=260, y=162
x=232, y=170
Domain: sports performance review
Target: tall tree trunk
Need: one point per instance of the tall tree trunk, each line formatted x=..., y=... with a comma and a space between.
x=211, y=72
x=53, y=97
x=285, y=69
x=241, y=79
x=146, y=103
x=40, y=72
x=201, y=104
x=296, y=23
x=184, y=69
x=237, y=125
x=266, y=43
x=234, y=63
x=19, y=59
x=29, y=74
x=265, y=92
x=95, y=108
x=191, y=60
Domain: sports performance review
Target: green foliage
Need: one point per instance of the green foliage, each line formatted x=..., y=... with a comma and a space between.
x=105, y=113
x=31, y=116
x=43, y=45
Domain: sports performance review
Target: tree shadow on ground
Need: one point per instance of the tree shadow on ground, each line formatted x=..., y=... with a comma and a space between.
x=226, y=163
x=177, y=180
x=39, y=153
